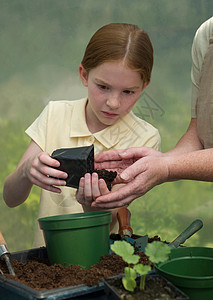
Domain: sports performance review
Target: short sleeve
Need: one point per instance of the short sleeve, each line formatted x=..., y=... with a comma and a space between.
x=154, y=141
x=199, y=49
x=38, y=129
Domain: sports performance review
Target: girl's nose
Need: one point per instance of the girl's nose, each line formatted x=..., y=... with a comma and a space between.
x=113, y=101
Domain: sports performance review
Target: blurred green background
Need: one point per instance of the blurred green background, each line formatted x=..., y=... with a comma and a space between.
x=42, y=43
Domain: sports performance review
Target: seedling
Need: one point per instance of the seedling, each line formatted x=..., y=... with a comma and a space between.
x=156, y=251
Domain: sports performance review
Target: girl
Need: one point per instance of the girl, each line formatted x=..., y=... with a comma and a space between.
x=115, y=69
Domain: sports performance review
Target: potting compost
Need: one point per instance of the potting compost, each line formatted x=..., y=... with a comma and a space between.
x=108, y=176
x=40, y=275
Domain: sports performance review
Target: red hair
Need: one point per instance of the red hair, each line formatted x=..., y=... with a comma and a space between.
x=120, y=41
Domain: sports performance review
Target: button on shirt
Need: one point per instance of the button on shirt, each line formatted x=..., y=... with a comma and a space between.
x=91, y=139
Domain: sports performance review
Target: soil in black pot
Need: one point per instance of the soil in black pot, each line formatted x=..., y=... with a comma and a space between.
x=156, y=288
x=108, y=176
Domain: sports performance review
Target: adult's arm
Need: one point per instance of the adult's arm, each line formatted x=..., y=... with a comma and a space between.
x=35, y=167
x=188, y=142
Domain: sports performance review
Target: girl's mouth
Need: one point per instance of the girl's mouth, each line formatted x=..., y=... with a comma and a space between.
x=110, y=115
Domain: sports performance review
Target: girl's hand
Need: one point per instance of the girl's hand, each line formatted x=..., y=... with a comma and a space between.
x=35, y=167
x=90, y=188
x=41, y=172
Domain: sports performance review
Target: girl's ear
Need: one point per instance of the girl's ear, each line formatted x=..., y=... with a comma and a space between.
x=83, y=75
x=145, y=85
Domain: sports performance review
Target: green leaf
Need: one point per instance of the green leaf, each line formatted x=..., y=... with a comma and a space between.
x=126, y=251
x=130, y=273
x=142, y=269
x=129, y=284
x=132, y=259
x=157, y=251
x=122, y=248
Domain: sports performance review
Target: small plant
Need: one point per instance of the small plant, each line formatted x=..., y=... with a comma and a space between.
x=156, y=251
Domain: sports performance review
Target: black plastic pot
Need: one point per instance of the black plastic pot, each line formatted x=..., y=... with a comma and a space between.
x=75, y=162
x=114, y=293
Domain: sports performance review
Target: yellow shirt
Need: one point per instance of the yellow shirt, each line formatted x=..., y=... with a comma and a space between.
x=62, y=124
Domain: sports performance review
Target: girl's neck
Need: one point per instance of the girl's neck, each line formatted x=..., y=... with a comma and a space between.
x=93, y=123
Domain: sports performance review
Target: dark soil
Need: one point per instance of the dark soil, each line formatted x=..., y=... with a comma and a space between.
x=108, y=176
x=40, y=275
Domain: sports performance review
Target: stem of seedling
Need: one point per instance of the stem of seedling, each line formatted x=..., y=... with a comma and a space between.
x=142, y=282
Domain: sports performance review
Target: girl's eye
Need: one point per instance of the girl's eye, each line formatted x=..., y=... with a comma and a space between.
x=102, y=87
x=128, y=92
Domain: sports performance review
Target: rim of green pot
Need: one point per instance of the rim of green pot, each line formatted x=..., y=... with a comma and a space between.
x=77, y=220
x=180, y=259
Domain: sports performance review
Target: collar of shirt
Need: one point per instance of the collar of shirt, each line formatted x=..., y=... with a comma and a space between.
x=109, y=136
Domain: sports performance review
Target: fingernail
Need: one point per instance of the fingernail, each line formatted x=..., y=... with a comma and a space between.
x=124, y=176
x=122, y=153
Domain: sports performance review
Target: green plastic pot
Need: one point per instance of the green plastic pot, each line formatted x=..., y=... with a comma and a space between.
x=78, y=239
x=191, y=270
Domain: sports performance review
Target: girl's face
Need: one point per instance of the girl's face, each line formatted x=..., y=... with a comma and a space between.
x=113, y=89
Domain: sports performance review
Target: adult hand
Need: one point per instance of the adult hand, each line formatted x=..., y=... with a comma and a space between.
x=121, y=160
x=90, y=188
x=41, y=171
x=141, y=176
x=115, y=160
